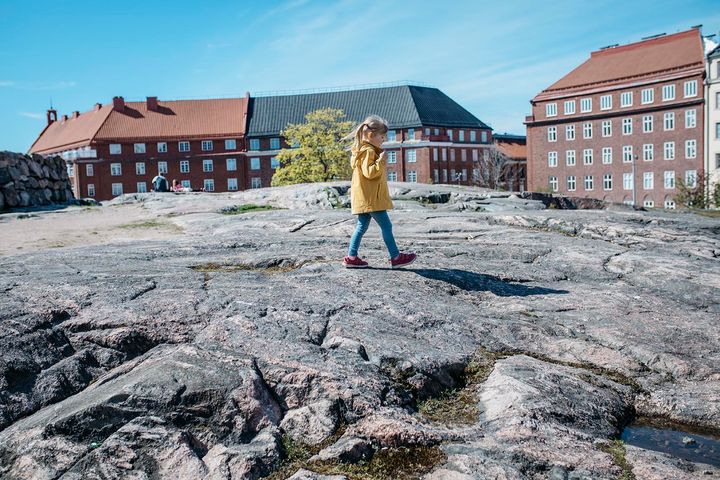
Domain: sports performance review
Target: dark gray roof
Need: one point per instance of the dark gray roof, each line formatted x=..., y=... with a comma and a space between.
x=402, y=106
x=508, y=136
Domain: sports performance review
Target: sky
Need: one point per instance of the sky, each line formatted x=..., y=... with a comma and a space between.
x=490, y=57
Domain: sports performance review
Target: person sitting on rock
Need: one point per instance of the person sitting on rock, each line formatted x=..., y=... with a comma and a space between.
x=177, y=186
x=160, y=183
x=369, y=194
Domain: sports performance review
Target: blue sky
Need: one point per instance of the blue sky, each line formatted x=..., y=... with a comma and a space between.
x=491, y=57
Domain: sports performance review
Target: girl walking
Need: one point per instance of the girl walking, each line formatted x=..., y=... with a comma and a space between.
x=369, y=195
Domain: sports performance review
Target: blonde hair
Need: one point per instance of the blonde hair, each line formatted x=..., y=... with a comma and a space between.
x=372, y=123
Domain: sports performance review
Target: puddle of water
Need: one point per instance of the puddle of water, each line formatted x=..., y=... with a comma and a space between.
x=675, y=440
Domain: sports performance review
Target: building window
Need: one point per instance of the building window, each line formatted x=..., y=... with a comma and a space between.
x=463, y=155
x=254, y=164
x=648, y=96
x=475, y=155
x=587, y=156
x=255, y=182
x=391, y=136
x=473, y=136
x=690, y=149
x=141, y=187
x=115, y=149
x=669, y=121
x=587, y=130
x=232, y=184
x=231, y=164
x=606, y=102
x=670, y=204
x=412, y=176
x=553, y=183
x=589, y=182
x=436, y=132
x=570, y=132
x=648, y=203
x=464, y=174
x=452, y=154
x=586, y=105
x=627, y=181
x=607, y=155
x=551, y=109
x=569, y=107
x=139, y=168
x=552, y=159
x=70, y=170
x=717, y=95
x=607, y=128
x=427, y=131
x=89, y=170
x=669, y=179
x=717, y=131
x=392, y=176
x=207, y=145
x=411, y=155
x=392, y=156
x=691, y=178
x=436, y=175
x=690, y=118
x=461, y=135
x=162, y=147
x=184, y=166
x=444, y=154
x=445, y=175
x=435, y=154
x=255, y=145
x=571, y=183
x=648, y=152
x=647, y=181
x=139, y=148
x=209, y=185
x=452, y=174
x=627, y=126
x=450, y=134
x=115, y=169
x=626, y=99
x=185, y=184
x=647, y=123
x=483, y=137
x=551, y=134
x=717, y=160
x=476, y=174
x=207, y=165
x=117, y=189
x=669, y=150
x=607, y=181
x=570, y=158
x=691, y=88
x=162, y=167
x=668, y=92
x=411, y=134
x=274, y=162
x=184, y=146
x=275, y=143
x=627, y=154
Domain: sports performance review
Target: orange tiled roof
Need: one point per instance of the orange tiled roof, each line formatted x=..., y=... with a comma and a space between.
x=177, y=119
x=667, y=54
x=174, y=119
x=70, y=133
x=512, y=150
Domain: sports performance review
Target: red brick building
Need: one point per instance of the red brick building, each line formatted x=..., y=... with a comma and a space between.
x=118, y=148
x=514, y=148
x=624, y=125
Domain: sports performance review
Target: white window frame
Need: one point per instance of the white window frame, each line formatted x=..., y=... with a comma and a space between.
x=116, y=169
x=162, y=147
x=690, y=89
x=569, y=107
x=392, y=156
x=669, y=205
x=208, y=165
x=230, y=144
x=647, y=96
x=551, y=110
x=115, y=149
x=669, y=151
x=690, y=118
x=648, y=181
x=551, y=135
x=116, y=189
x=588, y=156
x=668, y=92
x=461, y=135
x=690, y=149
x=412, y=176
x=627, y=126
x=669, y=121
x=184, y=166
x=448, y=132
x=648, y=152
x=587, y=130
x=553, y=183
x=274, y=163
x=162, y=167
x=607, y=128
x=669, y=179
x=552, y=159
x=647, y=123
x=627, y=181
x=473, y=136
x=232, y=184
x=209, y=184
x=255, y=182
x=648, y=204
x=570, y=158
x=89, y=170
x=607, y=155
x=183, y=146
x=254, y=144
x=91, y=190
x=411, y=155
x=138, y=148
x=275, y=143
x=206, y=146
x=569, y=132
x=185, y=183
x=691, y=178
x=391, y=136
x=141, y=187
x=231, y=164
x=607, y=182
x=571, y=183
x=586, y=105
x=255, y=164
x=484, y=136
x=139, y=168
x=589, y=183
x=627, y=154
x=626, y=99
x=392, y=176
x=606, y=102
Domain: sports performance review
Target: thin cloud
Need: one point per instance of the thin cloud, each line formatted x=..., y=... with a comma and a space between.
x=34, y=116
x=38, y=86
x=6, y=83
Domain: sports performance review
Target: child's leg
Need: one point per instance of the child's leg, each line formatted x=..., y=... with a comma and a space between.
x=383, y=220
x=363, y=222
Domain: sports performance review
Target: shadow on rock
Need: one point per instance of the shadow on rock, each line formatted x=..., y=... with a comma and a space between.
x=475, y=282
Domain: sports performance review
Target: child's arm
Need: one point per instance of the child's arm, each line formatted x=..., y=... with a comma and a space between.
x=371, y=165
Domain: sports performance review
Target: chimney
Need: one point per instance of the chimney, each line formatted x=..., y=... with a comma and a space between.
x=152, y=104
x=75, y=114
x=51, y=116
x=118, y=104
x=97, y=107
x=64, y=118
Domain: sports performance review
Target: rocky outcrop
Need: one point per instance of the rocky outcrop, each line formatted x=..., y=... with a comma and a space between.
x=215, y=353
x=29, y=181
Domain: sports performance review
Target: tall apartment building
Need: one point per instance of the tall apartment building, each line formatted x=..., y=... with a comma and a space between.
x=712, y=138
x=624, y=125
x=432, y=139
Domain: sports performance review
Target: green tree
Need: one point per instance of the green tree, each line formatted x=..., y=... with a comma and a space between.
x=319, y=153
x=692, y=196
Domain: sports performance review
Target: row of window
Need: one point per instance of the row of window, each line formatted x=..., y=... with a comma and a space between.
x=647, y=97
x=627, y=126
x=208, y=166
x=183, y=146
x=208, y=186
x=628, y=183
x=648, y=154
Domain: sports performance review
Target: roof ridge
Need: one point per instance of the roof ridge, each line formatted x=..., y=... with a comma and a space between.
x=643, y=43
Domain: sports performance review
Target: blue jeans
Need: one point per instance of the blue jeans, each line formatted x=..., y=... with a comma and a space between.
x=383, y=220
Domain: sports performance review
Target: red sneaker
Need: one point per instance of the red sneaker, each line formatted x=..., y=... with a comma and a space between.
x=403, y=259
x=356, y=262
